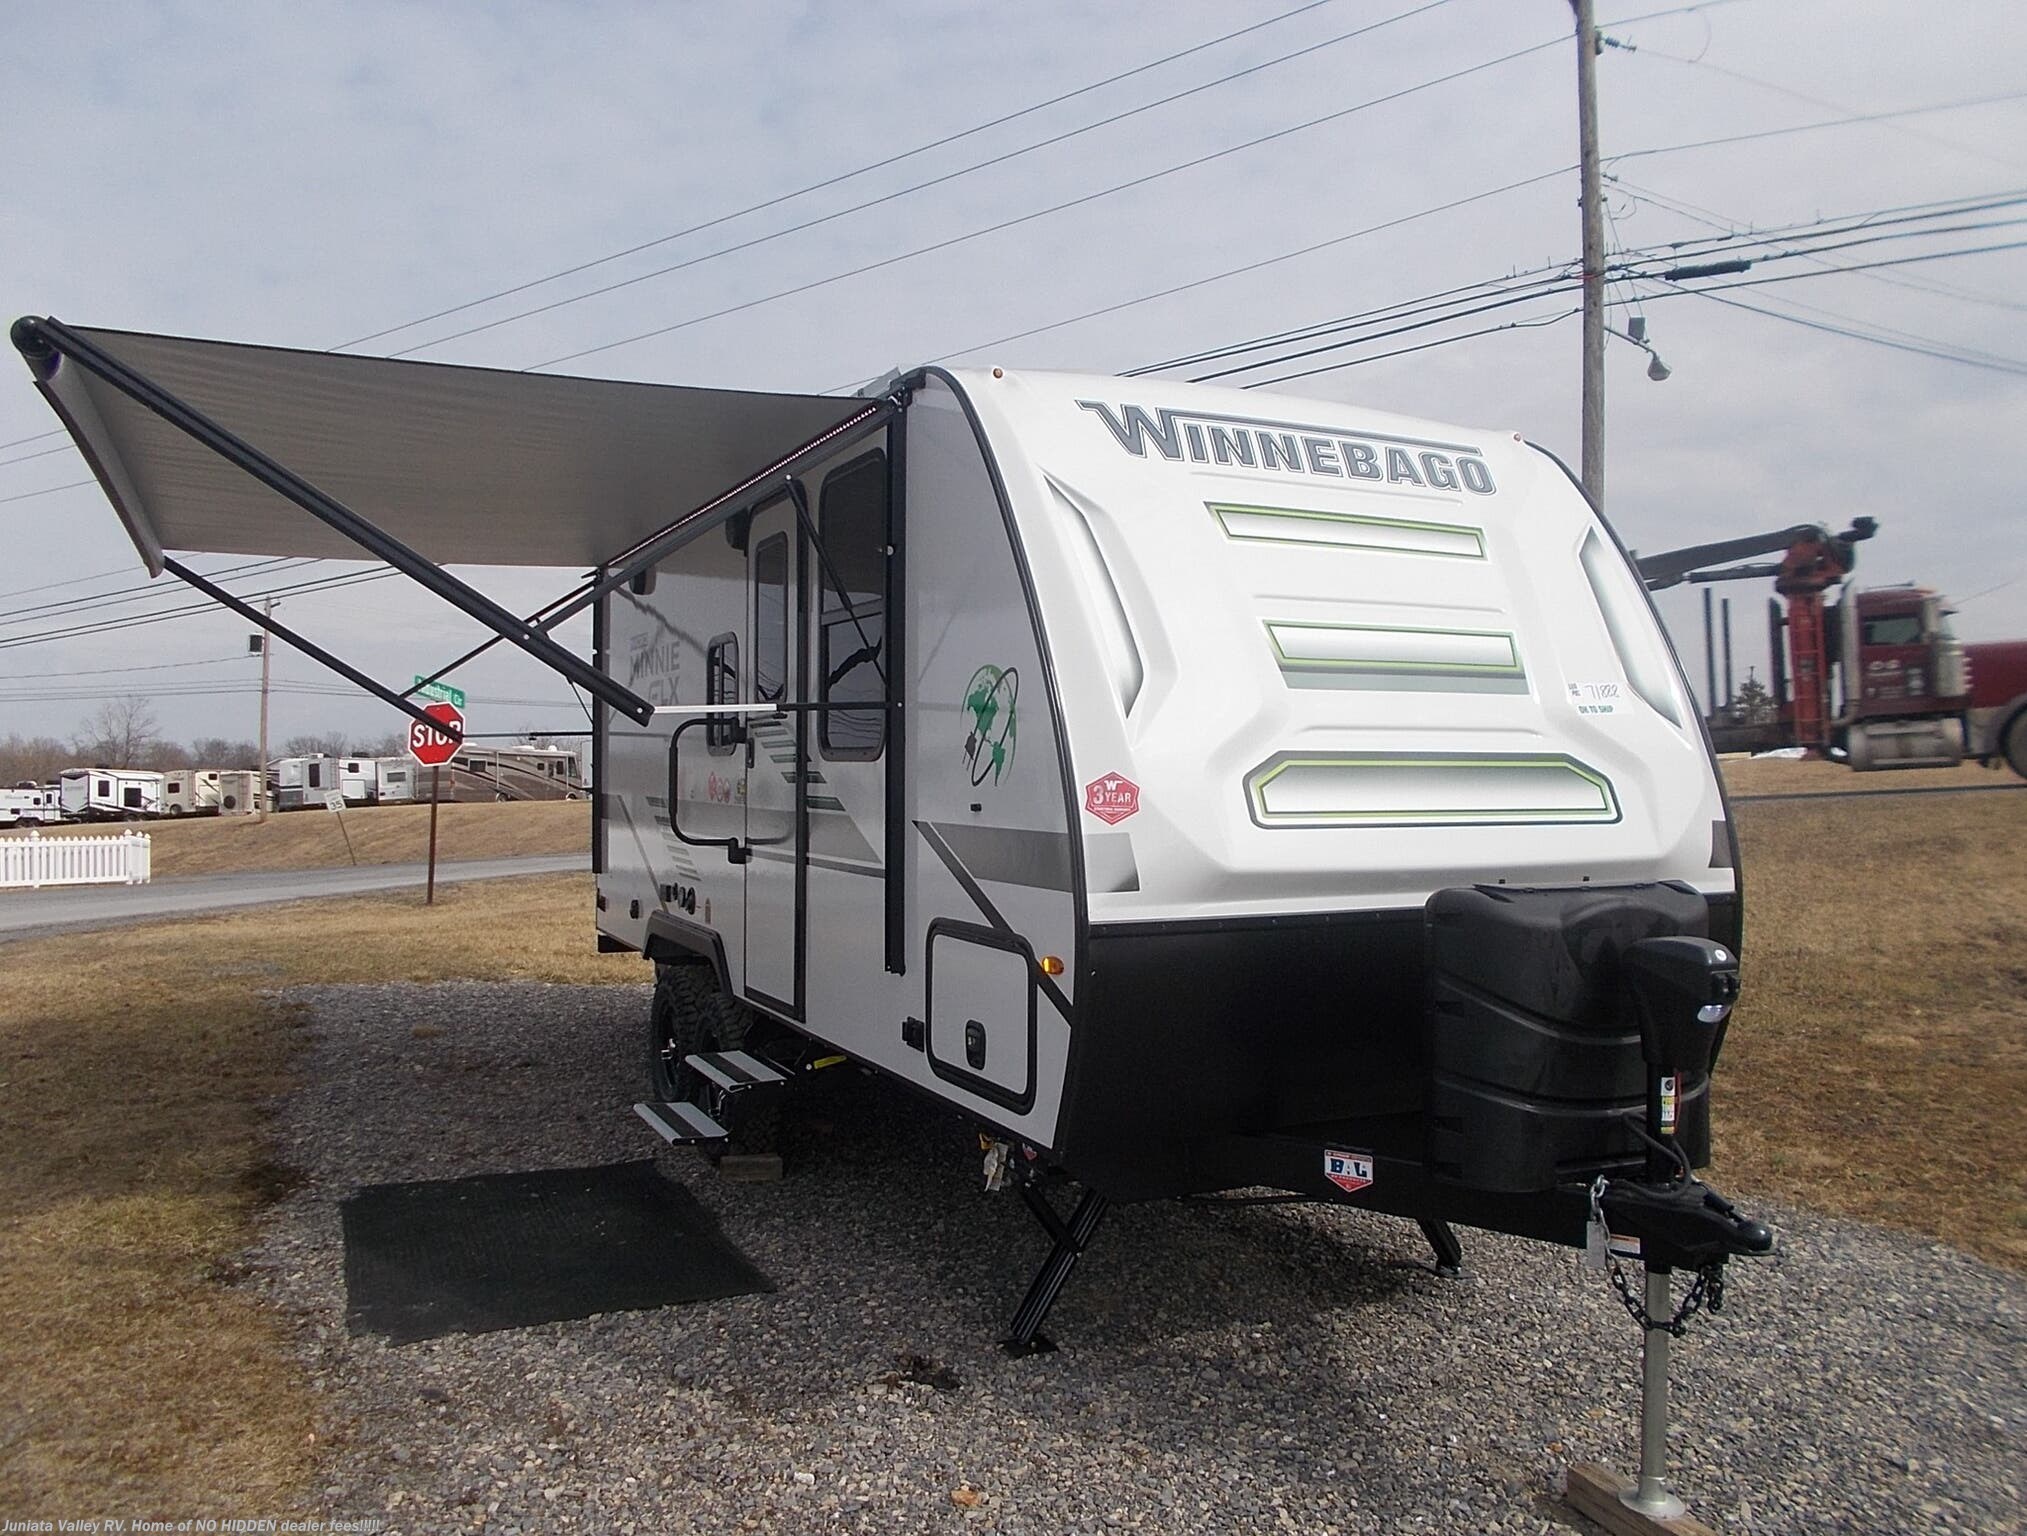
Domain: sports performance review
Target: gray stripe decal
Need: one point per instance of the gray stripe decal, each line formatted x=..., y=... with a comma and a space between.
x=983, y=902
x=1040, y=860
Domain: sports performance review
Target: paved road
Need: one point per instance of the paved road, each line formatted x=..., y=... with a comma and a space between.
x=29, y=914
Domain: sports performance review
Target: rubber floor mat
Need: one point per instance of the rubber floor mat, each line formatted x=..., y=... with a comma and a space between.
x=508, y=1250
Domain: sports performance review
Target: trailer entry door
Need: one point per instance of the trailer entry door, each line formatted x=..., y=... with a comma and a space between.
x=776, y=754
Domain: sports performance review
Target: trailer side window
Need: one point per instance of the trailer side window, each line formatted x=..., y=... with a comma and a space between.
x=851, y=622
x=721, y=686
x=770, y=620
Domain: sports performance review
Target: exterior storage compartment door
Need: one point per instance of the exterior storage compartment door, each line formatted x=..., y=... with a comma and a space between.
x=981, y=1025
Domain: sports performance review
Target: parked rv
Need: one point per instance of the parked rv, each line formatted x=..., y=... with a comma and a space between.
x=26, y=804
x=520, y=772
x=297, y=782
x=232, y=791
x=179, y=792
x=393, y=779
x=1197, y=788
x=109, y=794
x=358, y=780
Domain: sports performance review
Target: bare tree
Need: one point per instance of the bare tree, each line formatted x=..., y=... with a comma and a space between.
x=314, y=746
x=36, y=758
x=393, y=744
x=120, y=734
x=217, y=752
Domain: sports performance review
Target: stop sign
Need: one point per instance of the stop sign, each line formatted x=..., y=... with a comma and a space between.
x=430, y=747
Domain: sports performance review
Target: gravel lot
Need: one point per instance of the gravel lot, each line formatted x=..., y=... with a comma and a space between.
x=1256, y=1369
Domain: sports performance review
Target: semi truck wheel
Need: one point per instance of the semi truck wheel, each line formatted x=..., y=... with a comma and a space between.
x=2015, y=740
x=691, y=1014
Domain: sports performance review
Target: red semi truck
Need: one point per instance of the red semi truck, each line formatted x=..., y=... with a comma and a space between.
x=1875, y=676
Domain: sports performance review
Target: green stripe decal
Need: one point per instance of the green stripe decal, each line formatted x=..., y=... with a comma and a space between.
x=1397, y=789
x=1348, y=530
x=1394, y=650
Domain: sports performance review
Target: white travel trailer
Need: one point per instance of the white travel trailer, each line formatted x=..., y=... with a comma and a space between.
x=28, y=805
x=301, y=781
x=109, y=794
x=393, y=779
x=179, y=792
x=358, y=780
x=226, y=791
x=1201, y=789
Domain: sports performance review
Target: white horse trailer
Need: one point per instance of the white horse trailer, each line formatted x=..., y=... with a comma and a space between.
x=109, y=794
x=1201, y=789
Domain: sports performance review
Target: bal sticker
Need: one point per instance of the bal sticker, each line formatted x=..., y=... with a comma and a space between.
x=1112, y=797
x=1349, y=1171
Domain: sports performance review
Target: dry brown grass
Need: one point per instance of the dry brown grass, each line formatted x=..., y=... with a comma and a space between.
x=134, y=1070
x=1796, y=776
x=381, y=834
x=1877, y=1066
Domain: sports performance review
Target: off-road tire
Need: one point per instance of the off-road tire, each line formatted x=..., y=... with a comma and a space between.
x=691, y=1014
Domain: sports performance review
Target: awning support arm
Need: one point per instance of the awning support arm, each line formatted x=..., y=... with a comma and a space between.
x=630, y=562
x=336, y=515
x=309, y=648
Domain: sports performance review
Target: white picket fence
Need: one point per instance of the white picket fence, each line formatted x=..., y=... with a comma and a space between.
x=35, y=861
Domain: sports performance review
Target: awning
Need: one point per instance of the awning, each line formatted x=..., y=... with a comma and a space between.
x=466, y=466
x=216, y=447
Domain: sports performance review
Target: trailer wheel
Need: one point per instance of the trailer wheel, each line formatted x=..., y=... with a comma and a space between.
x=690, y=1014
x=2016, y=743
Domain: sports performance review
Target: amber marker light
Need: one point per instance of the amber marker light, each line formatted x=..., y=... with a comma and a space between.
x=1051, y=966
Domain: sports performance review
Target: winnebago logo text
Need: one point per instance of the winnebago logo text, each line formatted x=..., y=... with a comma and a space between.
x=1247, y=443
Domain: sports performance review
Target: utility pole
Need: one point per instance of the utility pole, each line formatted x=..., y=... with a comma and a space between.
x=266, y=652
x=1594, y=251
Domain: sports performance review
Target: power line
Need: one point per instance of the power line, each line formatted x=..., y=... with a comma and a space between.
x=1238, y=271
x=1814, y=101
x=888, y=197
x=1731, y=228
x=73, y=581
x=33, y=437
x=1834, y=122
x=1441, y=341
x=159, y=666
x=1988, y=361
x=832, y=181
x=47, y=490
x=1075, y=202
x=40, y=453
x=106, y=626
x=273, y=566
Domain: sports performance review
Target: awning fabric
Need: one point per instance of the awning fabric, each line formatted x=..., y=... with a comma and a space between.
x=467, y=466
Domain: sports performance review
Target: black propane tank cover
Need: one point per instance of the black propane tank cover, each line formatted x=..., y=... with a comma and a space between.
x=1536, y=1073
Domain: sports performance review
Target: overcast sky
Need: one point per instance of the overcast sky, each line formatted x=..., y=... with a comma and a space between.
x=306, y=175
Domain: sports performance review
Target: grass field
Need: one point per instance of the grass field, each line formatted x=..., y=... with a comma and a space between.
x=134, y=1068
x=1876, y=1069
x=381, y=834
x=1793, y=776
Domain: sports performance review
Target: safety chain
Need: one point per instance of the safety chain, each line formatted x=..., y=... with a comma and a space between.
x=1708, y=1291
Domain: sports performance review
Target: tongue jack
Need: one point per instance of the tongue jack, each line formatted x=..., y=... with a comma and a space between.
x=1681, y=991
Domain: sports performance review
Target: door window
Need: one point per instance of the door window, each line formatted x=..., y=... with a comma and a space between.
x=721, y=686
x=770, y=620
x=851, y=619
